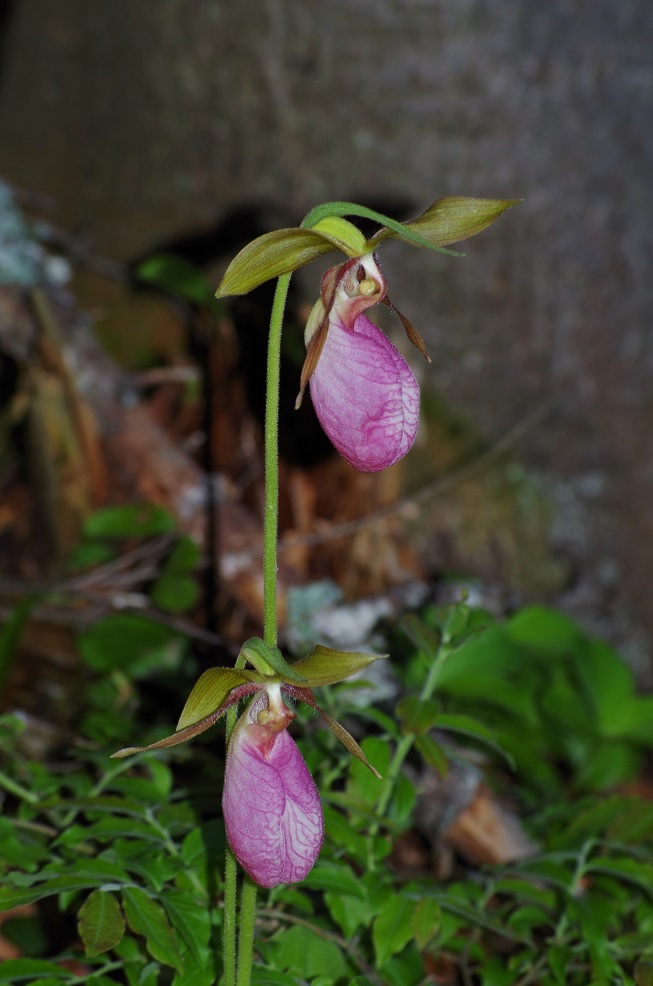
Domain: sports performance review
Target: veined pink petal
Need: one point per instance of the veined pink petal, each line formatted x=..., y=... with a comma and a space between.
x=272, y=810
x=365, y=395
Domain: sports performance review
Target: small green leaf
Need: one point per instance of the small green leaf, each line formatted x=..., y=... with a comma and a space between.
x=326, y=666
x=336, y=877
x=433, y=753
x=135, y=520
x=176, y=275
x=449, y=220
x=130, y=642
x=174, y=593
x=279, y=252
x=100, y=923
x=417, y=715
x=210, y=692
x=146, y=917
x=426, y=640
x=392, y=928
x=192, y=921
x=306, y=953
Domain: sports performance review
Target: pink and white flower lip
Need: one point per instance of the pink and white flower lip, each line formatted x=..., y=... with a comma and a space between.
x=271, y=806
x=364, y=393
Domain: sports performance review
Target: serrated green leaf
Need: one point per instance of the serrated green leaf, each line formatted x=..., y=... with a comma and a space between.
x=269, y=977
x=100, y=923
x=131, y=642
x=450, y=220
x=198, y=970
x=349, y=913
x=191, y=919
x=306, y=953
x=392, y=928
x=337, y=877
x=146, y=917
x=433, y=753
x=279, y=252
x=210, y=692
x=326, y=666
x=425, y=921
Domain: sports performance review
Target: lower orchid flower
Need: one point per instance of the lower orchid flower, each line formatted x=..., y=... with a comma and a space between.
x=363, y=390
x=271, y=806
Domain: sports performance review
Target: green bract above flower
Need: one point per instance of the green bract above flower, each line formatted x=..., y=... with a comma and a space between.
x=220, y=688
x=447, y=220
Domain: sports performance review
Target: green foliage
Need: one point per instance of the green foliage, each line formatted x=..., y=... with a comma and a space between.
x=130, y=852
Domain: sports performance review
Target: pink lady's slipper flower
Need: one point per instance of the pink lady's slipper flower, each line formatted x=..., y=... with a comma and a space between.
x=271, y=807
x=272, y=810
x=363, y=391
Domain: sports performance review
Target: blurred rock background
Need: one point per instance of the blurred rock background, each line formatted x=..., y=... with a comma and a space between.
x=133, y=124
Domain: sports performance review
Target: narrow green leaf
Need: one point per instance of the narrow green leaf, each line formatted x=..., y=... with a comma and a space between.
x=326, y=666
x=17, y=971
x=466, y=726
x=100, y=923
x=449, y=220
x=279, y=252
x=146, y=917
x=210, y=692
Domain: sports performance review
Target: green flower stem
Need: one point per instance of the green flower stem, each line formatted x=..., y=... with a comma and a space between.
x=230, y=877
x=239, y=973
x=14, y=788
x=229, y=919
x=271, y=519
x=246, y=940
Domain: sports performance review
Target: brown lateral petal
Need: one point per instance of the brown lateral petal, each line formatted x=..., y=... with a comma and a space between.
x=306, y=695
x=410, y=330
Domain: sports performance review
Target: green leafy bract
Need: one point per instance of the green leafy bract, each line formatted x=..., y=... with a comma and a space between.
x=326, y=666
x=448, y=220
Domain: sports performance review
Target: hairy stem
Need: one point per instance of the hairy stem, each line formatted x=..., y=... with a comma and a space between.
x=271, y=519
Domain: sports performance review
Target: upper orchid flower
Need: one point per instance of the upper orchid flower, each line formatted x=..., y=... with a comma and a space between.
x=363, y=391
x=271, y=806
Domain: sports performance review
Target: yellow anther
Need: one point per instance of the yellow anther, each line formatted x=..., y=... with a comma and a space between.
x=368, y=286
